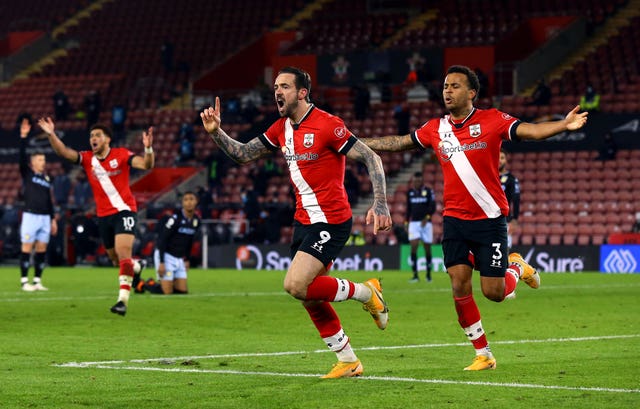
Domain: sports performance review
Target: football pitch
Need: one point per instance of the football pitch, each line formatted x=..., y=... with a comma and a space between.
x=238, y=341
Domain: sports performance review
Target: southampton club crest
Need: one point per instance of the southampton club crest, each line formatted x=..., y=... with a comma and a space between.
x=113, y=163
x=308, y=140
x=474, y=130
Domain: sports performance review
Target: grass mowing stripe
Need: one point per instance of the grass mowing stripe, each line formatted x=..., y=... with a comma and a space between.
x=319, y=351
x=41, y=298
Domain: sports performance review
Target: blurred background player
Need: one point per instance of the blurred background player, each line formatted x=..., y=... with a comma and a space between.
x=511, y=188
x=171, y=256
x=38, y=220
x=107, y=170
x=421, y=204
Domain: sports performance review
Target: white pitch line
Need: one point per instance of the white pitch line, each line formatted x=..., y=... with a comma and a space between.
x=116, y=365
x=377, y=378
x=322, y=351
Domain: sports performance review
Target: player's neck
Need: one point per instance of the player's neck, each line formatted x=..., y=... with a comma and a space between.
x=303, y=108
x=103, y=154
x=461, y=114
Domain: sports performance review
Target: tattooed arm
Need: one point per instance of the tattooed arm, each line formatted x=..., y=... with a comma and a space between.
x=379, y=212
x=392, y=143
x=240, y=152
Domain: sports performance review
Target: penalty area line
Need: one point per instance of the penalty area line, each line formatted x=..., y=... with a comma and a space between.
x=376, y=378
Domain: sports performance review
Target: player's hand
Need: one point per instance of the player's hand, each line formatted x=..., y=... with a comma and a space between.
x=147, y=137
x=379, y=215
x=162, y=270
x=211, y=117
x=47, y=125
x=25, y=128
x=576, y=120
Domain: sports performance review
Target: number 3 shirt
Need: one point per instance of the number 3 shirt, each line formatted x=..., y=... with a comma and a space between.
x=469, y=152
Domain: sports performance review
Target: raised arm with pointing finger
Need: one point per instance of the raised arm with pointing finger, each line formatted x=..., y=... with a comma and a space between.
x=316, y=145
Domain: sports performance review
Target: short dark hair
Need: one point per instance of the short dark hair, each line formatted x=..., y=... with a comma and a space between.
x=302, y=79
x=190, y=192
x=417, y=174
x=105, y=129
x=472, y=77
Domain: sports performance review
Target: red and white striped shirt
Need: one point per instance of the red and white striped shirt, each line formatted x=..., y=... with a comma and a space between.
x=109, y=180
x=315, y=151
x=469, y=154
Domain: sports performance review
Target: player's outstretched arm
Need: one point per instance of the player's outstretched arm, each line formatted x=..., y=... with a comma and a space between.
x=391, y=143
x=148, y=161
x=58, y=146
x=379, y=212
x=240, y=152
x=573, y=121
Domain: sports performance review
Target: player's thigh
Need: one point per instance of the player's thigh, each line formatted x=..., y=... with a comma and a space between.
x=180, y=285
x=123, y=245
x=29, y=227
x=414, y=231
x=490, y=249
x=174, y=268
x=43, y=234
x=455, y=244
x=321, y=240
x=313, y=249
x=426, y=233
x=303, y=270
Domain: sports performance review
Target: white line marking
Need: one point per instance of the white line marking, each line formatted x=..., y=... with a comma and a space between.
x=115, y=365
x=322, y=351
x=372, y=378
x=31, y=297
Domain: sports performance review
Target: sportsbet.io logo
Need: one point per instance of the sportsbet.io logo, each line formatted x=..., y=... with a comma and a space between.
x=620, y=261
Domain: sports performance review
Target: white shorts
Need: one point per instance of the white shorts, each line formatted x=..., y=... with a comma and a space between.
x=174, y=266
x=35, y=227
x=424, y=233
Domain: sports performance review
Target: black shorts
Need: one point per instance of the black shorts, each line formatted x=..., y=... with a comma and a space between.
x=123, y=222
x=486, y=239
x=322, y=240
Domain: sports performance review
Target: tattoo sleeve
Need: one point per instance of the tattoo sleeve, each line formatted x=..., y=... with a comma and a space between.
x=393, y=143
x=238, y=151
x=362, y=153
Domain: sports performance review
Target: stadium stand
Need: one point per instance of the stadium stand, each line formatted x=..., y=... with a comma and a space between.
x=122, y=61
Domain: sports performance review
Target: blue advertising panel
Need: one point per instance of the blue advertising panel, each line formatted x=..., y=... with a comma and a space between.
x=620, y=258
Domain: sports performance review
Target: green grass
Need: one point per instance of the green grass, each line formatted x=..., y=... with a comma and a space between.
x=574, y=343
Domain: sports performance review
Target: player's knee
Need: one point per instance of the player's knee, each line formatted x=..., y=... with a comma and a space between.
x=493, y=294
x=295, y=290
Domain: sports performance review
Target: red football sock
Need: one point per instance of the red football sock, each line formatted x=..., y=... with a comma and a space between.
x=469, y=319
x=510, y=282
x=325, y=319
x=126, y=269
x=327, y=288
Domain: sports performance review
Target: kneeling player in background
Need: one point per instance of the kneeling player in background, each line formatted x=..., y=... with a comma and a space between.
x=173, y=247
